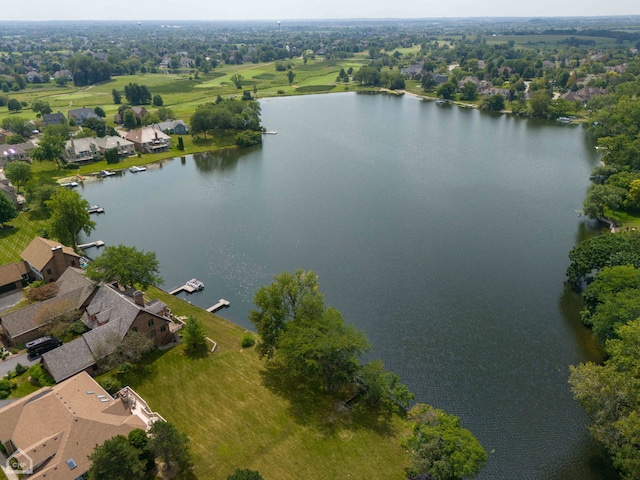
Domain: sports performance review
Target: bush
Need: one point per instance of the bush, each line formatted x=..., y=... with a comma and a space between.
x=5, y=388
x=20, y=369
x=280, y=92
x=248, y=138
x=40, y=375
x=248, y=341
x=72, y=166
x=111, y=384
x=43, y=292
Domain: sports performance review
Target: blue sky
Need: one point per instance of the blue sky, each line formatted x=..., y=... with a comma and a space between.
x=304, y=9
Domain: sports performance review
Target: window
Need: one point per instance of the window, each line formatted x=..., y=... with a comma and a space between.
x=48, y=271
x=73, y=263
x=151, y=322
x=163, y=328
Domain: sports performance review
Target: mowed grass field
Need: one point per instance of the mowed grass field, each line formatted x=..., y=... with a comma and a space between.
x=238, y=416
x=16, y=235
x=183, y=93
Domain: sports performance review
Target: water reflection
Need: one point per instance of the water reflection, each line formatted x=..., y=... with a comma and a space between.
x=221, y=160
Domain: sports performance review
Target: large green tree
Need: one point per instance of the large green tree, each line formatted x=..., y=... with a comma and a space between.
x=291, y=296
x=126, y=265
x=170, y=445
x=7, y=210
x=49, y=148
x=440, y=447
x=69, y=216
x=40, y=107
x=116, y=459
x=194, y=337
x=18, y=173
x=324, y=350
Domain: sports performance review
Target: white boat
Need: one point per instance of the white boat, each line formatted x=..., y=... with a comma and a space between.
x=135, y=169
x=564, y=119
x=195, y=284
x=69, y=184
x=106, y=173
x=95, y=209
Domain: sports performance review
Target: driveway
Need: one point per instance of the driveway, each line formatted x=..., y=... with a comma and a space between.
x=11, y=362
x=9, y=301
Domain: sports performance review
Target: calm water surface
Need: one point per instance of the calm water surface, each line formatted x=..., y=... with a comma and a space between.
x=441, y=232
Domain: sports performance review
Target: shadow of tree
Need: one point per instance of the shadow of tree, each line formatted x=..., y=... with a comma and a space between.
x=327, y=412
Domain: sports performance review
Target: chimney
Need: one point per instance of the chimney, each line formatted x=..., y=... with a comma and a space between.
x=138, y=297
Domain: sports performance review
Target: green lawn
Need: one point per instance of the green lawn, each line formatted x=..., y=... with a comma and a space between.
x=237, y=416
x=14, y=240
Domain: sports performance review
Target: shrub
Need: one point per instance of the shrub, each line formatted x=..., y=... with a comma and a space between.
x=44, y=292
x=20, y=369
x=248, y=138
x=111, y=384
x=72, y=166
x=248, y=341
x=280, y=92
x=40, y=375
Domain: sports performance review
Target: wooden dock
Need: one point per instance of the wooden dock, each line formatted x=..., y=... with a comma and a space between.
x=183, y=288
x=221, y=303
x=97, y=243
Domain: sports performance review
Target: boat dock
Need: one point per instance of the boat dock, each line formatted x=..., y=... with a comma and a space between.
x=193, y=285
x=97, y=243
x=221, y=303
x=95, y=209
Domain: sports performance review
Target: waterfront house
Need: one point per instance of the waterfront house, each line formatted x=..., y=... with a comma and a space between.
x=177, y=127
x=124, y=147
x=149, y=140
x=47, y=260
x=81, y=150
x=53, y=431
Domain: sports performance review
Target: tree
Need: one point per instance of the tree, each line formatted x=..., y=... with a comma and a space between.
x=117, y=97
x=378, y=386
x=14, y=105
x=469, y=91
x=17, y=125
x=129, y=119
x=440, y=447
x=600, y=197
x=69, y=216
x=49, y=148
x=86, y=70
x=180, y=144
x=116, y=459
x=446, y=90
x=164, y=113
x=7, y=210
x=40, y=107
x=290, y=297
x=170, y=445
x=100, y=112
x=139, y=439
x=157, y=101
x=111, y=156
x=427, y=82
x=126, y=265
x=494, y=103
x=539, y=103
x=237, y=79
x=194, y=337
x=245, y=474
x=606, y=250
x=137, y=94
x=290, y=76
x=18, y=173
x=322, y=350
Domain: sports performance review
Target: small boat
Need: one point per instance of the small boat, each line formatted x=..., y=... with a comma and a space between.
x=106, y=173
x=441, y=101
x=135, y=169
x=195, y=284
x=69, y=184
x=95, y=209
x=564, y=119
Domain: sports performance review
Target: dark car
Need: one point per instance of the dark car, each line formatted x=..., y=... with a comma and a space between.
x=42, y=345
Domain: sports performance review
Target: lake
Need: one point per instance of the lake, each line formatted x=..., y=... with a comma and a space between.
x=441, y=232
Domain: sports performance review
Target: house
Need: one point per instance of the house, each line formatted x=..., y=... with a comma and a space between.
x=48, y=260
x=584, y=94
x=149, y=140
x=138, y=112
x=468, y=79
x=10, y=153
x=79, y=115
x=81, y=150
x=110, y=316
x=124, y=147
x=441, y=78
x=177, y=127
x=4, y=134
x=13, y=276
x=34, y=77
x=54, y=119
x=54, y=430
x=30, y=322
x=9, y=191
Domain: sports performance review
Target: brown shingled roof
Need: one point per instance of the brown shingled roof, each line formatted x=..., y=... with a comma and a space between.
x=38, y=252
x=12, y=272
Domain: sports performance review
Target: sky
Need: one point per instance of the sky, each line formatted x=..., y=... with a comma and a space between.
x=170, y=10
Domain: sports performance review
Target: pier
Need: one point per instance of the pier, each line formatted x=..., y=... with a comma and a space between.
x=221, y=303
x=97, y=243
x=183, y=288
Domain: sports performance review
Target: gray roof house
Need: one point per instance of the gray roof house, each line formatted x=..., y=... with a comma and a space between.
x=82, y=114
x=54, y=119
x=125, y=147
x=177, y=127
x=110, y=316
x=81, y=150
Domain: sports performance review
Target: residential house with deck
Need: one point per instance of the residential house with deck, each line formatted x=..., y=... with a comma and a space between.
x=48, y=259
x=177, y=127
x=54, y=430
x=124, y=147
x=81, y=150
x=149, y=140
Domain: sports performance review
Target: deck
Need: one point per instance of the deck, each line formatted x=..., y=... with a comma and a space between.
x=221, y=303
